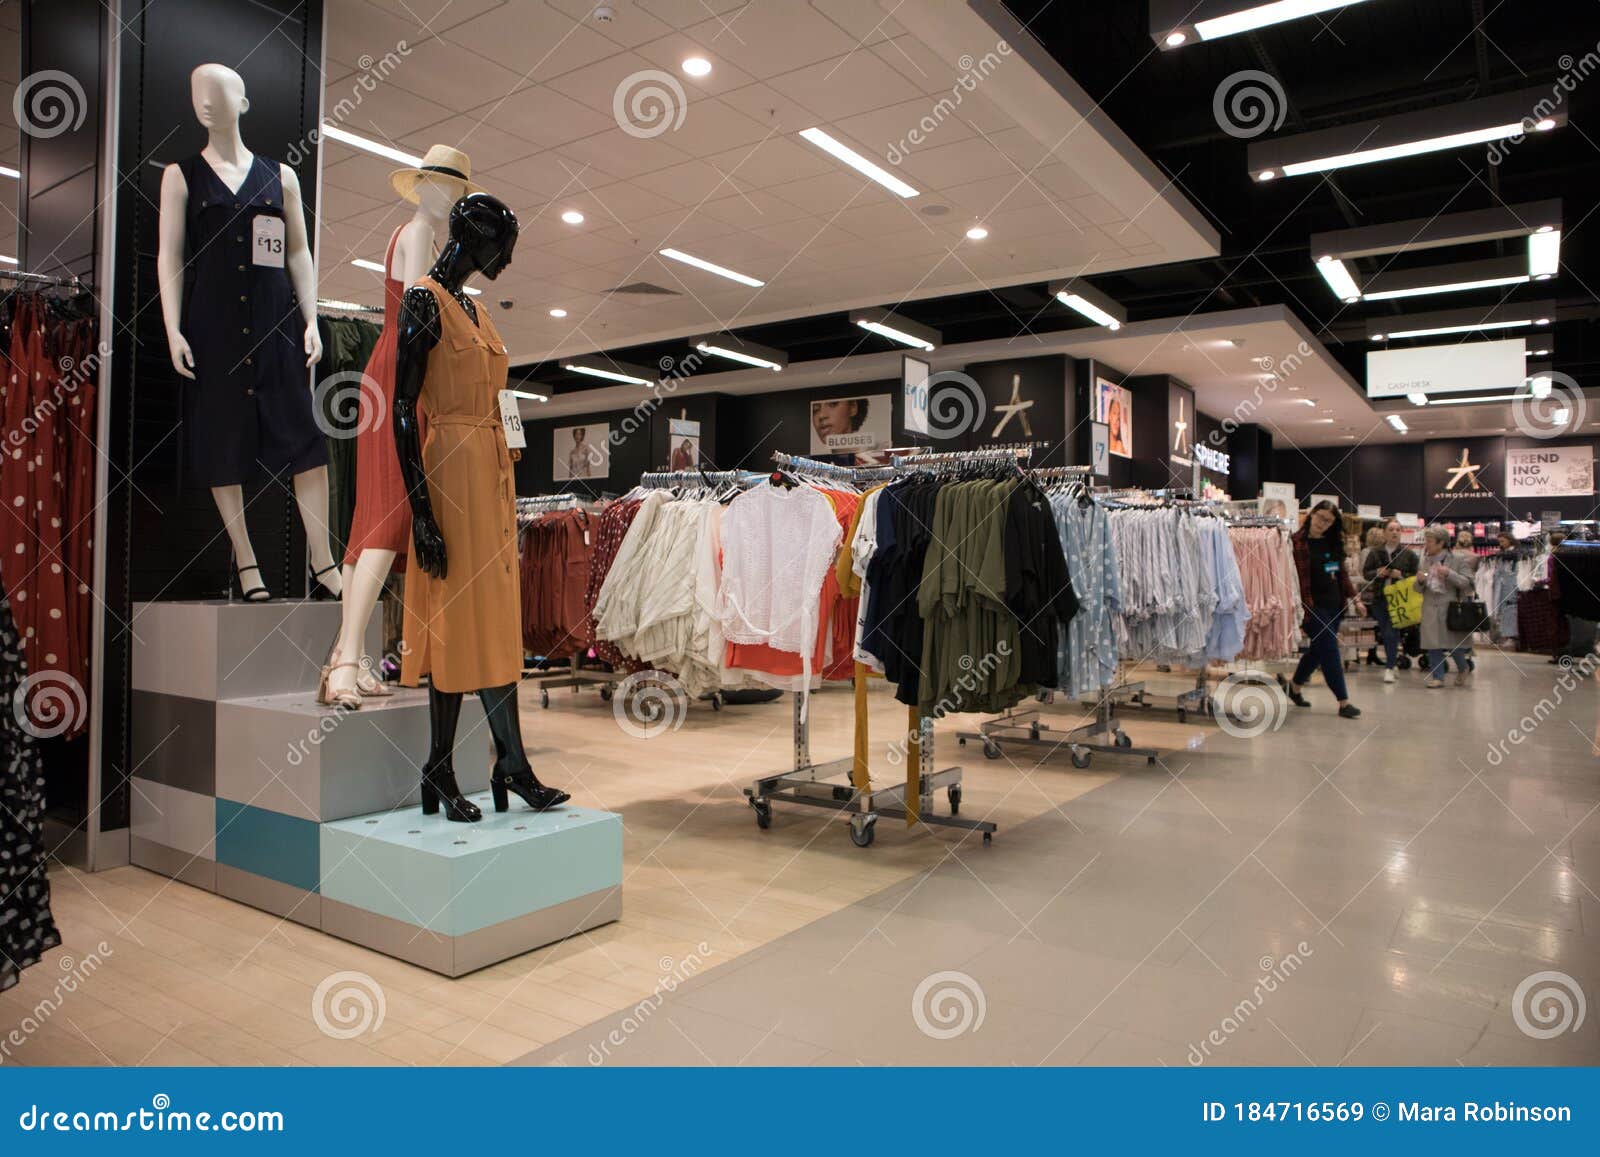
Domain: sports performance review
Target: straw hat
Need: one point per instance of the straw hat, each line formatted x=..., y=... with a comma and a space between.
x=439, y=160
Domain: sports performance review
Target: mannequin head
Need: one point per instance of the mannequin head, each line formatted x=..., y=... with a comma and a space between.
x=436, y=193
x=218, y=95
x=484, y=230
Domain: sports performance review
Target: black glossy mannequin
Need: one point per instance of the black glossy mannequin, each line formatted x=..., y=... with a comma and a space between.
x=483, y=233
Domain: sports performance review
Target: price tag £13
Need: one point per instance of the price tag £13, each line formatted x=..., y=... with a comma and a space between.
x=267, y=241
x=511, y=421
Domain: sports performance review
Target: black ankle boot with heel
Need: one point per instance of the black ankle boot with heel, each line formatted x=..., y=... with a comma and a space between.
x=505, y=779
x=439, y=785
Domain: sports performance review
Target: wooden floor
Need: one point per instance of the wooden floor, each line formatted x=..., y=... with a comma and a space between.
x=193, y=979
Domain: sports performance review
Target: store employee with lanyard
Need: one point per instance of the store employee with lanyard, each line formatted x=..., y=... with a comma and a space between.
x=1324, y=591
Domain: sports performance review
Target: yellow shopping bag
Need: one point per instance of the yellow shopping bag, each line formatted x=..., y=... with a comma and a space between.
x=1405, y=603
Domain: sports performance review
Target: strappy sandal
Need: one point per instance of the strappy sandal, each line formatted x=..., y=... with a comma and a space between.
x=256, y=594
x=368, y=683
x=324, y=591
x=345, y=700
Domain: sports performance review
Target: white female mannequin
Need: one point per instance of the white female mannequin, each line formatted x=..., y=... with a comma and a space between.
x=239, y=375
x=416, y=248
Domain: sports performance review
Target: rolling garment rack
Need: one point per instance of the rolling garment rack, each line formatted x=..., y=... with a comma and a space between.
x=1026, y=725
x=573, y=675
x=808, y=784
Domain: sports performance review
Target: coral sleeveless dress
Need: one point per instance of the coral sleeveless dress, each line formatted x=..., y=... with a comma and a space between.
x=466, y=629
x=382, y=519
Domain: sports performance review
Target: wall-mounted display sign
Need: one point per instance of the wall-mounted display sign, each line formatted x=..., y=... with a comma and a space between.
x=1211, y=459
x=1550, y=472
x=683, y=436
x=581, y=452
x=1447, y=369
x=1278, y=501
x=1113, y=408
x=1100, y=448
x=1463, y=475
x=914, y=386
x=1180, y=411
x=1368, y=513
x=851, y=425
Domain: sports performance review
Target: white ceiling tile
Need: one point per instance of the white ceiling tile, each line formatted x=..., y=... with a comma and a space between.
x=452, y=75
x=863, y=23
x=392, y=115
x=752, y=210
x=360, y=34
x=620, y=154
x=358, y=171
x=1031, y=153
x=339, y=203
x=773, y=108
x=540, y=114
x=892, y=216
x=903, y=128
x=596, y=86
x=994, y=194
x=547, y=175
x=591, y=249
x=631, y=25
x=691, y=182
x=1062, y=180
x=686, y=13
x=1098, y=210
x=711, y=126
x=942, y=165
x=620, y=203
x=768, y=39
x=846, y=85
x=533, y=40
x=828, y=193
x=777, y=160
x=478, y=137
x=438, y=15
x=678, y=227
x=670, y=51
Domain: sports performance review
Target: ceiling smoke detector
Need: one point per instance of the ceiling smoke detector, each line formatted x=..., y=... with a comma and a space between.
x=605, y=14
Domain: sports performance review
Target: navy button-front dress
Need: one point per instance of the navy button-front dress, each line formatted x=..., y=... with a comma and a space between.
x=249, y=407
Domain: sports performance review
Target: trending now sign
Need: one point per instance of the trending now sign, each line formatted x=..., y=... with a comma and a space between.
x=1447, y=369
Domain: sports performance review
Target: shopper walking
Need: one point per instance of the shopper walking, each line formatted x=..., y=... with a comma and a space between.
x=1444, y=577
x=1385, y=564
x=1370, y=542
x=1325, y=590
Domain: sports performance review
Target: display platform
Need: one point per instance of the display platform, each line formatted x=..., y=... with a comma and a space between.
x=245, y=786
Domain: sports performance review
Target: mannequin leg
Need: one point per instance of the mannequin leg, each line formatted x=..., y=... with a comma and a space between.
x=512, y=771
x=230, y=505
x=439, y=774
x=311, y=494
x=363, y=583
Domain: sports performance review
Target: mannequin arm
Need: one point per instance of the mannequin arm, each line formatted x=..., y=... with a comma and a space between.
x=169, y=265
x=302, y=273
x=417, y=334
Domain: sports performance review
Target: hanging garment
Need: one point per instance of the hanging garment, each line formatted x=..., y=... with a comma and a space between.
x=1231, y=617
x=466, y=628
x=1272, y=593
x=249, y=406
x=1578, y=580
x=346, y=344
x=1088, y=656
x=383, y=514
x=27, y=929
x=556, y=548
x=615, y=522
x=1038, y=585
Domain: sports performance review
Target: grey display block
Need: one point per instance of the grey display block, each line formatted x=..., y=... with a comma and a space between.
x=286, y=754
x=210, y=649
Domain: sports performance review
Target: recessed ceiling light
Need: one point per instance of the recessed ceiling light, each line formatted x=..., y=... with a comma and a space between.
x=1175, y=38
x=1537, y=353
x=1544, y=252
x=857, y=162
x=377, y=148
x=1321, y=421
x=1417, y=399
x=977, y=233
x=1397, y=422
x=1302, y=401
x=558, y=312
x=1545, y=125
x=710, y=267
x=572, y=217
x=1541, y=321
x=1266, y=174
x=697, y=66
x=1541, y=386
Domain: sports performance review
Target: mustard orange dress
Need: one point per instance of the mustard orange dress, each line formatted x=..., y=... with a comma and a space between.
x=465, y=630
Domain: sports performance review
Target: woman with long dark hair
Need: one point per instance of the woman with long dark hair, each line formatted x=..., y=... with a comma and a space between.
x=1325, y=591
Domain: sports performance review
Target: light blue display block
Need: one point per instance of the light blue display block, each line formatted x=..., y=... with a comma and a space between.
x=453, y=879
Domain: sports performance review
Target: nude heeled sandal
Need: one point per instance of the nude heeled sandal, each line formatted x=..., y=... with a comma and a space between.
x=346, y=700
x=371, y=686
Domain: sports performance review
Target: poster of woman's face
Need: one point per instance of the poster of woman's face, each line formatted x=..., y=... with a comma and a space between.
x=1113, y=406
x=854, y=426
x=581, y=452
x=684, y=438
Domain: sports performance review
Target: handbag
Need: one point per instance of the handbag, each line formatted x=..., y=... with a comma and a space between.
x=1405, y=603
x=1466, y=615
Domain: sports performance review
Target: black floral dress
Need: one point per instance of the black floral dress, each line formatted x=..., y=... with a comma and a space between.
x=27, y=929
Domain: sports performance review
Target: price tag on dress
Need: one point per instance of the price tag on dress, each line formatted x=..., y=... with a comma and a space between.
x=511, y=421
x=267, y=242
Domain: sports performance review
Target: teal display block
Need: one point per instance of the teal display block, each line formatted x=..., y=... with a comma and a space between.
x=268, y=843
x=455, y=879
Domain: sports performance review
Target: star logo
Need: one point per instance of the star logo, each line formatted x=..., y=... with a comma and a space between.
x=1464, y=471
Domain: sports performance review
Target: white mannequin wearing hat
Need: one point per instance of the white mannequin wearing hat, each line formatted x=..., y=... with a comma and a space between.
x=444, y=177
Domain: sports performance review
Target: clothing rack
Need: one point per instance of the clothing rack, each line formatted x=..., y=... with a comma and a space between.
x=543, y=503
x=572, y=675
x=41, y=279
x=919, y=458
x=668, y=479
x=806, y=783
x=348, y=307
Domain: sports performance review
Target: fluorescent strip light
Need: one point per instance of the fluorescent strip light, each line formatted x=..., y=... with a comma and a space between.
x=1398, y=423
x=532, y=397
x=335, y=133
x=8, y=260
x=1408, y=149
x=1453, y=287
x=1541, y=387
x=893, y=334
x=1544, y=253
x=609, y=375
x=8, y=171
x=1302, y=401
x=1442, y=329
x=1338, y=278
x=363, y=263
x=709, y=267
x=1089, y=310
x=1417, y=399
x=322, y=303
x=738, y=356
x=1263, y=15
x=857, y=162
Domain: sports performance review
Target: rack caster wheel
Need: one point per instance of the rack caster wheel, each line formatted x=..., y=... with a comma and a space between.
x=716, y=702
x=1080, y=758
x=954, y=792
x=605, y=694
x=1183, y=715
x=862, y=830
x=991, y=749
x=987, y=837
x=961, y=740
x=763, y=812
x=1125, y=740
x=544, y=697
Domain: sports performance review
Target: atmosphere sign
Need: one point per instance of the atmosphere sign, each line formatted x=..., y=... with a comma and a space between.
x=1550, y=472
